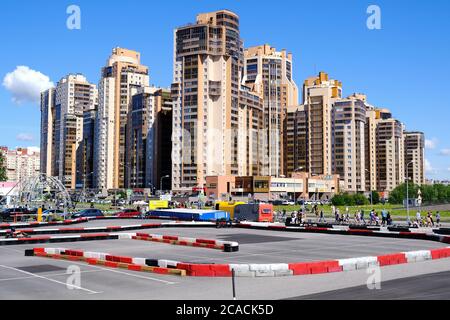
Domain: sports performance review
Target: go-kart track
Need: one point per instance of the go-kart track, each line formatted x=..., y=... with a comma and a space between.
x=105, y=276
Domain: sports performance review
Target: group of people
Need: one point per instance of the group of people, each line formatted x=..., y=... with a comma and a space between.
x=427, y=221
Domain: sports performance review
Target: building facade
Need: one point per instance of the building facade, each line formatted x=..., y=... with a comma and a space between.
x=48, y=132
x=270, y=74
x=149, y=139
x=62, y=118
x=415, y=157
x=319, y=95
x=390, y=154
x=208, y=65
x=21, y=163
x=348, y=143
x=121, y=78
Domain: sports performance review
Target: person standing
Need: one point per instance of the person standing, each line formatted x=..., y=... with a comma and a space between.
x=438, y=219
x=362, y=216
x=418, y=218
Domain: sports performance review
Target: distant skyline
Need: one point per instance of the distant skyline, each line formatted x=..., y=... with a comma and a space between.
x=403, y=67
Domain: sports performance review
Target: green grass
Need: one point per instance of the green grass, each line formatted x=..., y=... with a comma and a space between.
x=396, y=211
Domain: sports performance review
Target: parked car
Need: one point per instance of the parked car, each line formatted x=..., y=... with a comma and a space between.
x=8, y=214
x=128, y=213
x=52, y=214
x=87, y=213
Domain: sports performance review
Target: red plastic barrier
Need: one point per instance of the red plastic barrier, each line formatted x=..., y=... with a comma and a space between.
x=114, y=228
x=143, y=235
x=76, y=253
x=92, y=261
x=170, y=238
x=33, y=239
x=134, y=267
x=300, y=268
x=440, y=253
x=184, y=266
x=39, y=250
x=111, y=264
x=392, y=259
x=126, y=259
x=151, y=225
x=161, y=270
x=205, y=241
x=201, y=270
x=221, y=270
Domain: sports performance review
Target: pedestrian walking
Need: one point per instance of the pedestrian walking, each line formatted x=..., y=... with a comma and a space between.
x=438, y=219
x=321, y=216
x=362, y=216
x=418, y=218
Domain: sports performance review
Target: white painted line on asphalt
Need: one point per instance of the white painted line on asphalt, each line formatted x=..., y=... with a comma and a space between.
x=49, y=275
x=48, y=279
x=121, y=272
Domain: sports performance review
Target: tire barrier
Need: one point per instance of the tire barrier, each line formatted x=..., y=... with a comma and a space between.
x=103, y=259
x=226, y=246
x=42, y=224
x=88, y=230
x=74, y=238
x=241, y=270
x=354, y=232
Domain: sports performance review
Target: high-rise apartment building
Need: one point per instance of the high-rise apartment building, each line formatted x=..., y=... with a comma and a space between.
x=149, y=139
x=85, y=152
x=295, y=140
x=121, y=78
x=208, y=67
x=21, y=163
x=390, y=154
x=415, y=157
x=48, y=132
x=270, y=74
x=348, y=143
x=319, y=95
x=62, y=112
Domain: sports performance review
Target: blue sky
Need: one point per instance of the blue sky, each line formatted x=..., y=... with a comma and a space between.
x=404, y=66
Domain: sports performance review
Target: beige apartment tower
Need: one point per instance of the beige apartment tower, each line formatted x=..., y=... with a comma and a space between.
x=319, y=95
x=211, y=108
x=415, y=157
x=62, y=110
x=121, y=78
x=270, y=74
x=349, y=119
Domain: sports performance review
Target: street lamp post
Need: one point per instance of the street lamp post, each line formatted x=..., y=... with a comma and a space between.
x=371, y=192
x=407, y=190
x=295, y=196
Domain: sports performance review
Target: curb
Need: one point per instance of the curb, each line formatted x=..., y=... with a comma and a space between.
x=352, y=232
x=226, y=246
x=244, y=270
x=103, y=259
x=86, y=237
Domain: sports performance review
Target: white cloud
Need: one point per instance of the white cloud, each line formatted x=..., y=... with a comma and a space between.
x=431, y=144
x=429, y=168
x=32, y=150
x=25, y=137
x=445, y=152
x=26, y=84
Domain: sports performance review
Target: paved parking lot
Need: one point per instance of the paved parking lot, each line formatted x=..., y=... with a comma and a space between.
x=40, y=278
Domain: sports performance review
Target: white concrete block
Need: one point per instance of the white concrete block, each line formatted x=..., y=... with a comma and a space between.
x=240, y=267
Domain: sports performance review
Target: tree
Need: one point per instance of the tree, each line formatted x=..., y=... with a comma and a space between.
x=3, y=176
x=375, y=197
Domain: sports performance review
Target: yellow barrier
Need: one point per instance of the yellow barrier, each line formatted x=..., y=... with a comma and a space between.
x=158, y=204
